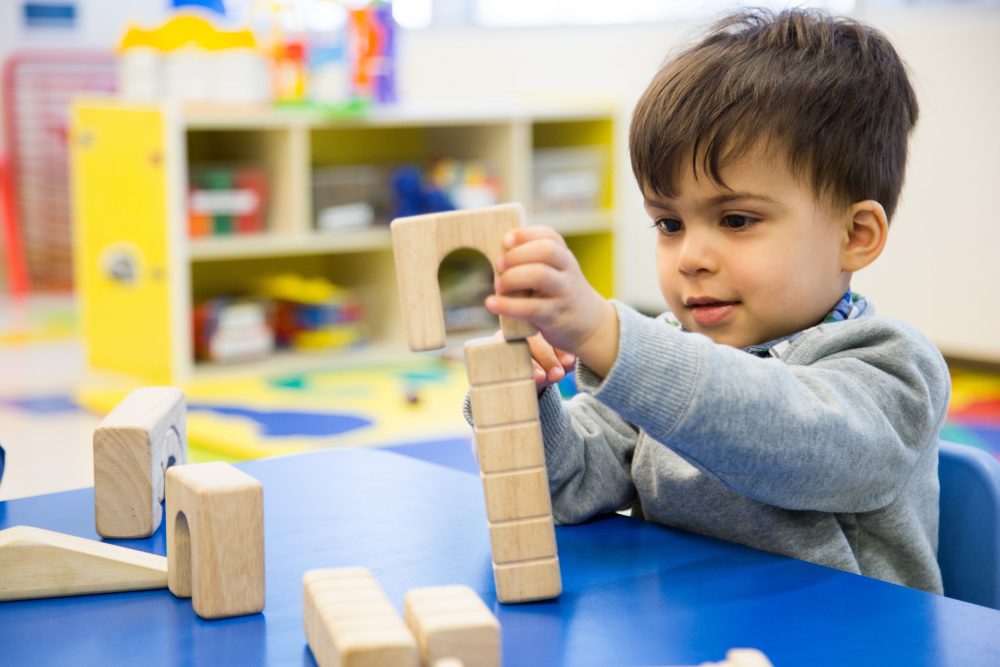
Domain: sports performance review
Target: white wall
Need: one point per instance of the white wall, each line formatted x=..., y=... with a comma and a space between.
x=941, y=268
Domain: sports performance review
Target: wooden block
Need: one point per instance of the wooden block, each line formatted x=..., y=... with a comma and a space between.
x=504, y=403
x=349, y=622
x=746, y=657
x=215, y=539
x=37, y=563
x=451, y=622
x=528, y=581
x=517, y=495
x=419, y=244
x=509, y=447
x=523, y=539
x=489, y=360
x=133, y=446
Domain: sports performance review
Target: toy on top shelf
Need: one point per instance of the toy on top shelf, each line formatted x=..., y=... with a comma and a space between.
x=372, y=43
x=190, y=60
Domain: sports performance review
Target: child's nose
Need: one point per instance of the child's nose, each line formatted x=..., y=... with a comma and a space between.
x=696, y=254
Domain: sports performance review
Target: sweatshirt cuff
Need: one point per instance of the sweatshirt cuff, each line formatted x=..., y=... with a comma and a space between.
x=652, y=355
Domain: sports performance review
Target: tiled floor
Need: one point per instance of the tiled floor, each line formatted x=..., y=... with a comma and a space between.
x=47, y=450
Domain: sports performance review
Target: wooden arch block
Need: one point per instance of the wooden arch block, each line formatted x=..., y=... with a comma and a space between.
x=215, y=539
x=420, y=243
x=37, y=563
x=133, y=447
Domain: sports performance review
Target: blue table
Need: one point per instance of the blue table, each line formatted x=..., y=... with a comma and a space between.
x=634, y=593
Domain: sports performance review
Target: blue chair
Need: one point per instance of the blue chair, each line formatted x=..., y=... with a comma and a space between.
x=969, y=535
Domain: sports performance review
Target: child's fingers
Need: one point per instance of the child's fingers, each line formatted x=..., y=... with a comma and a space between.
x=548, y=251
x=538, y=279
x=545, y=355
x=521, y=235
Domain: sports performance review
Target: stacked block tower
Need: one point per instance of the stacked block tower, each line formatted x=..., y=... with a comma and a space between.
x=503, y=396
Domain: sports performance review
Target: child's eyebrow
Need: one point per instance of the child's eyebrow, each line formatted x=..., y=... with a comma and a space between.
x=713, y=201
x=735, y=196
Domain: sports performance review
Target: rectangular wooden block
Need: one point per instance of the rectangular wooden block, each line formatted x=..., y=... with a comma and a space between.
x=529, y=539
x=452, y=622
x=517, y=495
x=504, y=403
x=505, y=447
x=349, y=622
x=529, y=581
x=133, y=446
x=490, y=360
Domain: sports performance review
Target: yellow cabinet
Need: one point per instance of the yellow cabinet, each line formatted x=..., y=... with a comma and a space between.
x=123, y=241
x=139, y=272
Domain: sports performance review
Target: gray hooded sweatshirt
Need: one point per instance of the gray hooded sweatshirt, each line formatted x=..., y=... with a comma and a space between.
x=826, y=451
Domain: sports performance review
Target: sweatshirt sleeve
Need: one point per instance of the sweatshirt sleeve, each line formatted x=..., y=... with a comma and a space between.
x=588, y=453
x=838, y=427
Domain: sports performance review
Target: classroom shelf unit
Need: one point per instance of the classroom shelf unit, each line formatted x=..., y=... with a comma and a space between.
x=138, y=272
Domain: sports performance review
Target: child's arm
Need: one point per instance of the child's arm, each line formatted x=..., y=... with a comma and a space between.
x=588, y=454
x=837, y=425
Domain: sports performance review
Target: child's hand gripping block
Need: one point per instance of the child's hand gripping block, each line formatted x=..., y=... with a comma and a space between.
x=420, y=243
x=133, y=446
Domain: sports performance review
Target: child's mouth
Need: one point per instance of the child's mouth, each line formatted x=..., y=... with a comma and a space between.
x=708, y=313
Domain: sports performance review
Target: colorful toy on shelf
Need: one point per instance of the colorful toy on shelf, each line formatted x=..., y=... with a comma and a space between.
x=289, y=71
x=412, y=194
x=372, y=44
x=190, y=60
x=228, y=330
x=224, y=201
x=312, y=313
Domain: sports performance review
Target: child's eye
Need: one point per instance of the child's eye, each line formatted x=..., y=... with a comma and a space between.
x=738, y=221
x=668, y=225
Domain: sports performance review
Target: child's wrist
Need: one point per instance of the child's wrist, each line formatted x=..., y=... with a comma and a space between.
x=600, y=350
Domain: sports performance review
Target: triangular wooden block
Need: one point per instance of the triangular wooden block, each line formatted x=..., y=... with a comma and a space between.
x=37, y=563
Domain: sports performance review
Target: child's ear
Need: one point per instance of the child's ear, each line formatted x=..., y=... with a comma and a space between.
x=865, y=235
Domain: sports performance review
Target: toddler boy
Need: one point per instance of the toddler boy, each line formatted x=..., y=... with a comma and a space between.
x=771, y=406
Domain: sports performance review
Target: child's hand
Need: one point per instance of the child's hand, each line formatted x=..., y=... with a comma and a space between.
x=539, y=280
x=550, y=365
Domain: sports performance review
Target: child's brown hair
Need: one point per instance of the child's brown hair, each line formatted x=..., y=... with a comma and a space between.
x=831, y=95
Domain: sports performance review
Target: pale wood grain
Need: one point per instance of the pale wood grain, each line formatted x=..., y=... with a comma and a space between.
x=38, y=563
x=420, y=243
x=349, y=621
x=215, y=539
x=452, y=622
x=133, y=446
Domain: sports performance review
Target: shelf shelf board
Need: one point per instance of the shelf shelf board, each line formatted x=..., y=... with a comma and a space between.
x=207, y=117
x=270, y=245
x=576, y=222
x=372, y=239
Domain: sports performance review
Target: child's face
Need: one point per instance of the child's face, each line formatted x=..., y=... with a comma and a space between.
x=750, y=262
